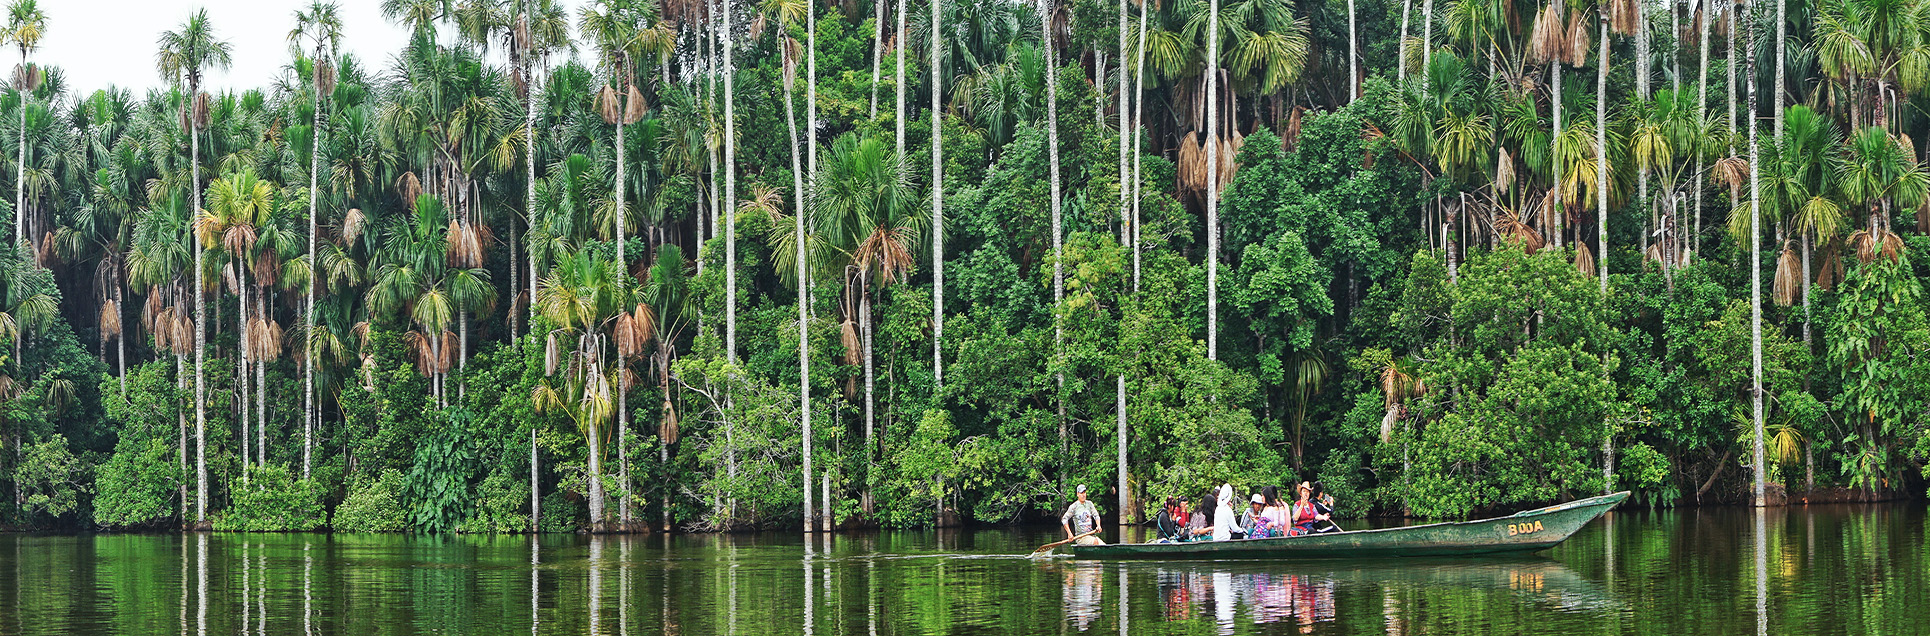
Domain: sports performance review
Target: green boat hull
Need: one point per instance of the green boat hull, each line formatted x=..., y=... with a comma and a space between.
x=1526, y=531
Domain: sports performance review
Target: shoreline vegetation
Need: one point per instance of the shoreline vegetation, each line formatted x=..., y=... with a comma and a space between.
x=647, y=266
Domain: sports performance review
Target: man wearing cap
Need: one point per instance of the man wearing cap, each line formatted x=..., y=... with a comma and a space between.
x=1080, y=518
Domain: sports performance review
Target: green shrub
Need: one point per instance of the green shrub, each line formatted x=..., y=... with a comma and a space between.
x=563, y=514
x=502, y=505
x=137, y=486
x=273, y=500
x=373, y=506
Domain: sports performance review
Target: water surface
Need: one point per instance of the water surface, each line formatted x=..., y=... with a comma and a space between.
x=1847, y=569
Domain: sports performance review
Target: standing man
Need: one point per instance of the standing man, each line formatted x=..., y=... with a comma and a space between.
x=1080, y=518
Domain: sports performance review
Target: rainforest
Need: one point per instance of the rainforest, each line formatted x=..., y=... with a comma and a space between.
x=631, y=265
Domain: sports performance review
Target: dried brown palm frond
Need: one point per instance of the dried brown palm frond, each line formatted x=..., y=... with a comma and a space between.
x=1733, y=172
x=149, y=309
x=1504, y=172
x=1579, y=31
x=1789, y=277
x=1545, y=214
x=552, y=354
x=202, y=105
x=408, y=187
x=607, y=106
x=422, y=349
x=49, y=253
x=162, y=326
x=667, y=424
x=1868, y=245
x=1192, y=164
x=626, y=378
x=228, y=279
x=1923, y=217
x=1292, y=134
x=267, y=269
x=634, y=331
x=1584, y=259
x=324, y=78
x=27, y=76
x=1509, y=228
x=110, y=320
x=634, y=106
x=450, y=349
x=1548, y=39
x=885, y=252
x=465, y=245
x=1831, y=271
x=853, y=349
x=1229, y=155
x=1624, y=16
x=352, y=224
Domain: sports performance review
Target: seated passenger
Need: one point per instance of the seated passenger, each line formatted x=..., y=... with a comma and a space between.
x=1323, y=505
x=1257, y=524
x=1171, y=523
x=1304, y=515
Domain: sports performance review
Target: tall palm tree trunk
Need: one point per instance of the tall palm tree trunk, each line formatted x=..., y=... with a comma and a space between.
x=529, y=212
x=1353, y=52
x=242, y=309
x=1701, y=116
x=623, y=274
x=1601, y=159
x=1400, y=50
x=261, y=388
x=181, y=430
x=803, y=278
x=937, y=195
x=1058, y=236
x=1554, y=142
x=1125, y=237
x=900, y=44
x=20, y=165
x=1755, y=283
x=309, y=414
x=1782, y=35
x=877, y=53
x=1139, y=135
x=1212, y=260
x=200, y=323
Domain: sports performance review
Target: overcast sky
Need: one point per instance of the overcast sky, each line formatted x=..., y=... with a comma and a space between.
x=98, y=43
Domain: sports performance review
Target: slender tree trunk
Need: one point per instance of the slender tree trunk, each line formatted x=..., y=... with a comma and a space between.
x=201, y=322
x=729, y=203
x=1125, y=238
x=1058, y=236
x=900, y=43
x=309, y=414
x=261, y=388
x=535, y=491
x=623, y=274
x=1353, y=52
x=240, y=387
x=937, y=195
x=1400, y=51
x=1139, y=137
x=800, y=243
x=1807, y=279
x=877, y=54
x=596, y=477
x=120, y=339
x=1559, y=214
x=1735, y=24
x=1212, y=260
x=20, y=165
x=181, y=430
x=1701, y=116
x=1782, y=37
x=1642, y=68
x=1601, y=160
x=1755, y=283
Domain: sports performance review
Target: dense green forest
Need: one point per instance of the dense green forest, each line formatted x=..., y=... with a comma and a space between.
x=736, y=265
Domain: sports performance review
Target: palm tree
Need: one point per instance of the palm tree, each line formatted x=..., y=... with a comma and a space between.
x=865, y=226
x=238, y=211
x=1755, y=276
x=1804, y=190
x=1213, y=175
x=414, y=277
x=1876, y=48
x=541, y=29
x=580, y=295
x=730, y=169
x=25, y=26
x=320, y=25
x=184, y=55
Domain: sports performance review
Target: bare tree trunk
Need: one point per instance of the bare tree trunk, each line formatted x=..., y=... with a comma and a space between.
x=1755, y=283
x=1601, y=160
x=900, y=44
x=877, y=54
x=1400, y=51
x=730, y=191
x=1139, y=137
x=309, y=413
x=1353, y=52
x=800, y=243
x=937, y=197
x=1554, y=142
x=1058, y=236
x=1212, y=260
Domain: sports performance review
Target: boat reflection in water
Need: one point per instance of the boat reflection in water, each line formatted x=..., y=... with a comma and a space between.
x=1232, y=594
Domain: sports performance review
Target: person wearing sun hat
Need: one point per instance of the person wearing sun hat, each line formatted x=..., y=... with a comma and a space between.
x=1080, y=518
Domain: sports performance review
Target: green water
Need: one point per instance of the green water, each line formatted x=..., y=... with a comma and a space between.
x=1816, y=570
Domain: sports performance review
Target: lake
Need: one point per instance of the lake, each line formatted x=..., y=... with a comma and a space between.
x=1838, y=569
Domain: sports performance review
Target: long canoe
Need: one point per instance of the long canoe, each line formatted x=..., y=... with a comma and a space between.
x=1525, y=531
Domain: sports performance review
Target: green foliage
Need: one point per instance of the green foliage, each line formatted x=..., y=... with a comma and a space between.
x=374, y=505
x=137, y=485
x=437, y=487
x=53, y=482
x=274, y=499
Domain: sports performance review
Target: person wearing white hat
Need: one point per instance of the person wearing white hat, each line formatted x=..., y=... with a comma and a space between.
x=1081, y=518
x=1226, y=524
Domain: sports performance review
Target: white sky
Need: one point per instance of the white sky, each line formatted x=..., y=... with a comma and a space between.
x=98, y=43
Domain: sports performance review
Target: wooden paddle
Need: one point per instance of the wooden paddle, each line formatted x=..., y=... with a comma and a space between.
x=1050, y=546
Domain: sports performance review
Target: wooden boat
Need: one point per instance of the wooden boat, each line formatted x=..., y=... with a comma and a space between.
x=1525, y=531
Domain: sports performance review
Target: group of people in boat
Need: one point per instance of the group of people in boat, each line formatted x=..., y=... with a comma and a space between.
x=1265, y=515
x=1212, y=518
